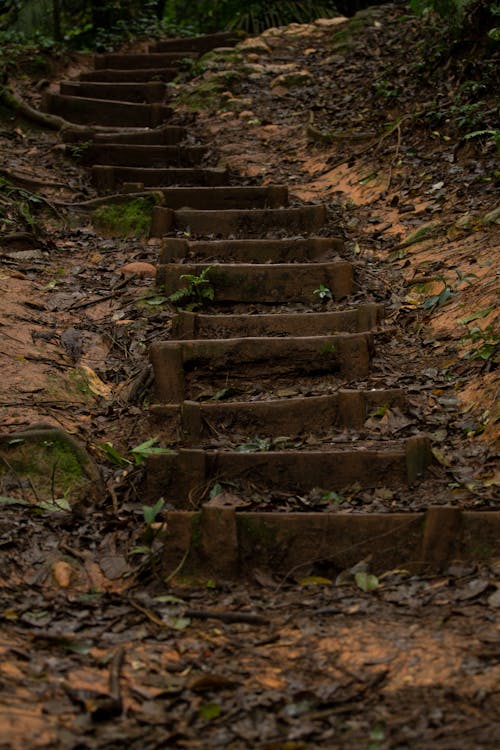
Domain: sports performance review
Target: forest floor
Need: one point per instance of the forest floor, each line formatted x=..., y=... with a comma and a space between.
x=99, y=652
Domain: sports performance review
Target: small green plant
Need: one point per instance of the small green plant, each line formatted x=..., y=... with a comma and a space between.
x=151, y=531
x=448, y=291
x=484, y=342
x=489, y=135
x=197, y=293
x=139, y=454
x=255, y=445
x=77, y=150
x=324, y=293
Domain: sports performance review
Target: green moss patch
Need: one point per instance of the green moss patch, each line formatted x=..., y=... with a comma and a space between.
x=44, y=465
x=129, y=219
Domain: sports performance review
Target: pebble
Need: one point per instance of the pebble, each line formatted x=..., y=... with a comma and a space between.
x=140, y=268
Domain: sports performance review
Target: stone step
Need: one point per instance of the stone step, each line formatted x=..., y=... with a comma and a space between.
x=263, y=283
x=215, y=199
x=107, y=178
x=132, y=155
x=194, y=325
x=198, y=44
x=141, y=61
x=176, y=363
x=153, y=91
x=139, y=75
x=192, y=423
x=288, y=250
x=88, y=111
x=167, y=135
x=184, y=478
x=240, y=222
x=225, y=543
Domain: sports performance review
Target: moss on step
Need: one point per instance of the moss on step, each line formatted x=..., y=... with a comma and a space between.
x=128, y=219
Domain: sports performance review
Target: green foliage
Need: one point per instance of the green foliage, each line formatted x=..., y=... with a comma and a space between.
x=485, y=343
x=324, y=293
x=254, y=17
x=130, y=219
x=488, y=134
x=17, y=207
x=82, y=24
x=197, y=293
x=462, y=17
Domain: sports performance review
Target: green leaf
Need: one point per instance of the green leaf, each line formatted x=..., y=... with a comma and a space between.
x=366, y=581
x=5, y=500
x=112, y=454
x=141, y=550
x=151, y=511
x=179, y=623
x=59, y=503
x=142, y=451
x=209, y=711
x=478, y=315
x=168, y=599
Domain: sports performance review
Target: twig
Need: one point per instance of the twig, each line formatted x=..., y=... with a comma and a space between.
x=179, y=567
x=114, y=675
x=16, y=475
x=229, y=617
x=147, y=612
x=393, y=162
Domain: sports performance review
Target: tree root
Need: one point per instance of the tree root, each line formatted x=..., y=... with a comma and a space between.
x=20, y=107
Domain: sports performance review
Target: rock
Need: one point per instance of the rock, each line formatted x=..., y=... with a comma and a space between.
x=290, y=80
x=328, y=23
x=257, y=46
x=139, y=268
x=62, y=573
x=493, y=217
x=49, y=467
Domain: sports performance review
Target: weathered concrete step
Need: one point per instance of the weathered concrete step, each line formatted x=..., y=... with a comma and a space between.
x=216, y=199
x=183, y=478
x=191, y=423
x=107, y=178
x=139, y=75
x=139, y=61
x=252, y=251
x=87, y=111
x=223, y=543
x=132, y=155
x=194, y=325
x=345, y=355
x=198, y=44
x=167, y=135
x=150, y=92
x=242, y=222
x=263, y=283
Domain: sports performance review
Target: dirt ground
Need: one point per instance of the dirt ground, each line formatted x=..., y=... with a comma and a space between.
x=98, y=648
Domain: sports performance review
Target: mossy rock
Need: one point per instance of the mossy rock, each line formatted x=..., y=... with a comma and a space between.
x=206, y=93
x=46, y=466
